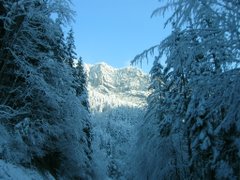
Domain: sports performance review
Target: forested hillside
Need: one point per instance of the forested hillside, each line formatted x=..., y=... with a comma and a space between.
x=44, y=118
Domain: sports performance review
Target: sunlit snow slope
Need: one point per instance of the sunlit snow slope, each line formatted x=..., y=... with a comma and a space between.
x=117, y=102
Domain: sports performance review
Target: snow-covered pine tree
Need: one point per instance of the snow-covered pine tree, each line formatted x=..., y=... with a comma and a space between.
x=71, y=49
x=200, y=68
x=167, y=108
x=77, y=69
x=81, y=75
x=60, y=47
x=81, y=83
x=158, y=87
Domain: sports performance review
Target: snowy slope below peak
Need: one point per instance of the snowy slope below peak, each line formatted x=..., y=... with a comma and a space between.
x=117, y=99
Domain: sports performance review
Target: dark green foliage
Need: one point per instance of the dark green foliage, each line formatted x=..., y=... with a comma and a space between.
x=71, y=54
x=51, y=162
x=81, y=78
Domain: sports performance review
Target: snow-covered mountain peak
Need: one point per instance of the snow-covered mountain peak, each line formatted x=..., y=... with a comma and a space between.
x=124, y=86
x=117, y=80
x=117, y=99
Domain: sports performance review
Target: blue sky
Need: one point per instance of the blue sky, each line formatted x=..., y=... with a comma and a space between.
x=114, y=31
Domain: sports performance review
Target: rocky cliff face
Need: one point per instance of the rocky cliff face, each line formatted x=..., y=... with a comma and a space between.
x=116, y=87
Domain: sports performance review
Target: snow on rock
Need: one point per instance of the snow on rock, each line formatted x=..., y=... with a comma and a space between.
x=117, y=100
x=117, y=87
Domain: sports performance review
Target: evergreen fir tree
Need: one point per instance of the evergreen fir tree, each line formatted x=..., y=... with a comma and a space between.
x=71, y=54
x=81, y=76
x=81, y=83
x=60, y=47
